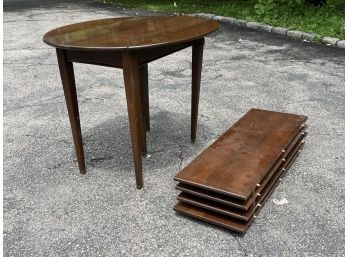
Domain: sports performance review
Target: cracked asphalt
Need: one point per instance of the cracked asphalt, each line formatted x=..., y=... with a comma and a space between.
x=52, y=210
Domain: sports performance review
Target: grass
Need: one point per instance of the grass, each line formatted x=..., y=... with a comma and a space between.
x=326, y=21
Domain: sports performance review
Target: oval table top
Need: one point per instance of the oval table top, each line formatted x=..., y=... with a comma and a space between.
x=130, y=32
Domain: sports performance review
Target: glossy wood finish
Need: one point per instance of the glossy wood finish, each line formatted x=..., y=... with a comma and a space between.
x=215, y=218
x=242, y=157
x=216, y=207
x=197, y=57
x=68, y=80
x=130, y=33
x=113, y=58
x=144, y=87
x=227, y=209
x=129, y=43
x=277, y=177
x=300, y=136
x=106, y=58
x=224, y=216
x=133, y=95
x=235, y=202
x=216, y=197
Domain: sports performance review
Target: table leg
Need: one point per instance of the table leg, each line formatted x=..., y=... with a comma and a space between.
x=133, y=94
x=68, y=80
x=197, y=57
x=144, y=84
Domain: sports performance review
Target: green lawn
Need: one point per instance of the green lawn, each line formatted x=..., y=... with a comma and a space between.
x=326, y=21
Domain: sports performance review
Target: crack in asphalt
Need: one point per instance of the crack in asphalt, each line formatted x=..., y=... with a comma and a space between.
x=217, y=76
x=245, y=251
x=88, y=99
x=181, y=159
x=95, y=160
x=175, y=100
x=58, y=165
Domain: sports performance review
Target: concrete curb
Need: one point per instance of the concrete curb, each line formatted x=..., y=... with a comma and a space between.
x=306, y=36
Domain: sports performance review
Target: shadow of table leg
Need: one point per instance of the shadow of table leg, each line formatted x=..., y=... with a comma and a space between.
x=68, y=80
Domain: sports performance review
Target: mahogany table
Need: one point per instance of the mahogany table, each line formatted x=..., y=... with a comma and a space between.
x=129, y=43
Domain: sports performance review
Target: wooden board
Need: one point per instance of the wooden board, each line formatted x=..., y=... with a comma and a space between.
x=235, y=202
x=235, y=212
x=242, y=157
x=225, y=221
x=216, y=207
x=215, y=218
x=228, y=200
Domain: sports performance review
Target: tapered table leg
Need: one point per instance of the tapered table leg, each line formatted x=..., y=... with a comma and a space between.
x=68, y=80
x=144, y=82
x=133, y=94
x=197, y=57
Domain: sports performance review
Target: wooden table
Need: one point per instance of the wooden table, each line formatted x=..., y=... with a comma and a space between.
x=129, y=43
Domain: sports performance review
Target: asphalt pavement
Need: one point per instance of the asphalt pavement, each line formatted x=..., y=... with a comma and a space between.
x=52, y=210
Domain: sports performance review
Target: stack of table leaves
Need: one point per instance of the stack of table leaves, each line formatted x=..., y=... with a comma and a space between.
x=229, y=182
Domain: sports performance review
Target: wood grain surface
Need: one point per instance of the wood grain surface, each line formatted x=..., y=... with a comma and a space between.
x=243, y=156
x=238, y=222
x=130, y=33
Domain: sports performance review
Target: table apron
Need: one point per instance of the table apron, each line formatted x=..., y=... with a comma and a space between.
x=114, y=58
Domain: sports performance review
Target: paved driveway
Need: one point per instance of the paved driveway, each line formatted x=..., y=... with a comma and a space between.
x=51, y=210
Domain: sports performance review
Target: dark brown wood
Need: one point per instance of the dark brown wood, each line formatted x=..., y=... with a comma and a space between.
x=272, y=184
x=144, y=86
x=281, y=163
x=232, y=201
x=246, y=214
x=233, y=223
x=129, y=43
x=128, y=33
x=302, y=133
x=107, y=58
x=216, y=197
x=68, y=80
x=197, y=57
x=155, y=53
x=216, y=207
x=215, y=218
x=239, y=160
x=113, y=58
x=133, y=95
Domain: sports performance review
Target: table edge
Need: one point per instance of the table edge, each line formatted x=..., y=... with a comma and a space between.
x=123, y=48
